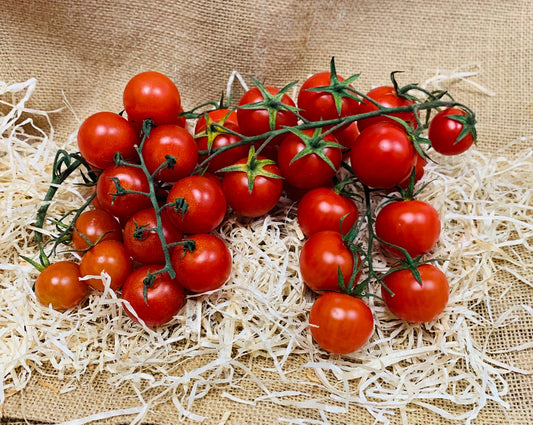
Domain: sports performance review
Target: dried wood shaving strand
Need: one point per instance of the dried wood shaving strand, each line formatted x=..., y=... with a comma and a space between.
x=486, y=210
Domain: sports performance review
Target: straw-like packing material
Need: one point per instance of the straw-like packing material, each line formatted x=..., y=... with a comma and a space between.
x=248, y=342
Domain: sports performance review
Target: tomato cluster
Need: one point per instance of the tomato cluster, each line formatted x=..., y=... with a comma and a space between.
x=162, y=191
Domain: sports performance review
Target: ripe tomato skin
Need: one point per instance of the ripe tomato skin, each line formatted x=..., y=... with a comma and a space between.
x=206, y=204
x=340, y=323
x=382, y=155
x=320, y=258
x=130, y=178
x=420, y=163
x=109, y=256
x=173, y=140
x=309, y=171
x=254, y=122
x=229, y=120
x=148, y=249
x=443, y=132
x=413, y=302
x=95, y=225
x=386, y=96
x=103, y=134
x=59, y=285
x=346, y=137
x=413, y=225
x=152, y=95
x=206, y=268
x=316, y=106
x=265, y=194
x=322, y=209
x=165, y=297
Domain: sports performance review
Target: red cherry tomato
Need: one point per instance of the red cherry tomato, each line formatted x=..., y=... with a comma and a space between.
x=170, y=140
x=413, y=225
x=311, y=170
x=102, y=135
x=382, y=155
x=130, y=178
x=420, y=164
x=444, y=130
x=107, y=256
x=388, y=98
x=320, y=259
x=205, y=268
x=95, y=225
x=206, y=204
x=340, y=323
x=164, y=298
x=152, y=95
x=415, y=302
x=145, y=246
x=265, y=194
x=59, y=286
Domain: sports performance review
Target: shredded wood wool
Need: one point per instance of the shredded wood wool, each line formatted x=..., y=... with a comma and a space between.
x=447, y=366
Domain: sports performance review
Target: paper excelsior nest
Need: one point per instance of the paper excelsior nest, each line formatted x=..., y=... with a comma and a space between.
x=256, y=325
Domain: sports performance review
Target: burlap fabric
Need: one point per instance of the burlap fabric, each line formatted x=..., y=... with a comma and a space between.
x=85, y=51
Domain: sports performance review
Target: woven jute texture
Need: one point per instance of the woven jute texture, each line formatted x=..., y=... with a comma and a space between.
x=85, y=51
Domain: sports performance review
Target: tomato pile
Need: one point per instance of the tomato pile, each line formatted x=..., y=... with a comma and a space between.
x=161, y=191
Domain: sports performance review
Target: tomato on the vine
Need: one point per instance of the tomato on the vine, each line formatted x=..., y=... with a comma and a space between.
x=174, y=145
x=206, y=267
x=112, y=199
x=164, y=298
x=107, y=256
x=387, y=97
x=452, y=131
x=59, y=285
x=412, y=225
x=323, y=208
x=141, y=239
x=103, y=134
x=414, y=301
x=340, y=323
x=196, y=204
x=309, y=159
x=266, y=188
x=94, y=226
x=383, y=155
x=321, y=258
x=152, y=95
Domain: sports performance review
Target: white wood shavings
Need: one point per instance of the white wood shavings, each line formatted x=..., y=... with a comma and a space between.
x=252, y=333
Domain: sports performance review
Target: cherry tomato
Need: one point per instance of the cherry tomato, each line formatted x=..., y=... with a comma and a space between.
x=170, y=140
x=420, y=164
x=145, y=246
x=316, y=106
x=413, y=225
x=59, y=285
x=415, y=302
x=320, y=259
x=340, y=323
x=444, y=130
x=346, y=137
x=206, y=204
x=265, y=194
x=103, y=134
x=107, y=256
x=209, y=138
x=310, y=170
x=257, y=120
x=205, y=268
x=382, y=155
x=388, y=98
x=322, y=209
x=164, y=298
x=130, y=178
x=152, y=95
x=95, y=225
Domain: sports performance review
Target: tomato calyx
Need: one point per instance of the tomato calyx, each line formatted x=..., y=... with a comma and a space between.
x=253, y=167
x=214, y=128
x=314, y=144
x=338, y=89
x=469, y=125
